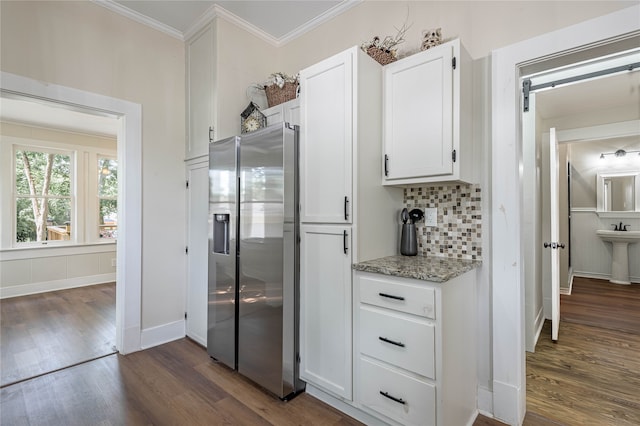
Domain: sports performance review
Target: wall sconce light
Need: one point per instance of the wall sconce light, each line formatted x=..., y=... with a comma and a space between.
x=618, y=153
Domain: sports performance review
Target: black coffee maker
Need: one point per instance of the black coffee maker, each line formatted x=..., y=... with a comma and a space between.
x=408, y=242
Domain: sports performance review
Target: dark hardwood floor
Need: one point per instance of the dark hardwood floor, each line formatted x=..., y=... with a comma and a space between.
x=173, y=384
x=590, y=377
x=600, y=303
x=44, y=332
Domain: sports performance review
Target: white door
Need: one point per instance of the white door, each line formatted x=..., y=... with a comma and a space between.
x=325, y=308
x=554, y=245
x=200, y=84
x=197, y=243
x=418, y=115
x=326, y=140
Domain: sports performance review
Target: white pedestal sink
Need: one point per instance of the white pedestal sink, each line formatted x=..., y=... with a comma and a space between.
x=620, y=257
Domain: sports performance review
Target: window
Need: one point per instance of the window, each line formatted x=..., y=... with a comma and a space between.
x=58, y=193
x=107, y=198
x=43, y=195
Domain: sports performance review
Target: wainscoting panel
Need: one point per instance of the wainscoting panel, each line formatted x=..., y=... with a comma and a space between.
x=591, y=256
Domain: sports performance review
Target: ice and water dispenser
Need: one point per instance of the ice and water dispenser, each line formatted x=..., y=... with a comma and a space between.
x=221, y=233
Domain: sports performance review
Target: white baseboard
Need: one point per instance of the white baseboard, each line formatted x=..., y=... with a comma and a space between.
x=538, y=325
x=130, y=340
x=42, y=287
x=485, y=402
x=155, y=336
x=507, y=403
x=598, y=276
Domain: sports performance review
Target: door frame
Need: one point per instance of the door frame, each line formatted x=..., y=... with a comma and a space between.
x=129, y=143
x=507, y=260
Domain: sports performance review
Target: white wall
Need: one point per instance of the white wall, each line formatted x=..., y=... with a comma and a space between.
x=592, y=256
x=84, y=46
x=32, y=271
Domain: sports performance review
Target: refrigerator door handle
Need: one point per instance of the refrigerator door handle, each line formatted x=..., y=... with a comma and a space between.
x=345, y=237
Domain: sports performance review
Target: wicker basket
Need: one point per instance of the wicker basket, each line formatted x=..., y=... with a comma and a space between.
x=381, y=56
x=276, y=95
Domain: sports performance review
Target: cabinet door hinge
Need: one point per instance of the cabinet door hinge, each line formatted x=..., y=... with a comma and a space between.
x=526, y=88
x=453, y=156
x=211, y=134
x=187, y=184
x=186, y=250
x=453, y=62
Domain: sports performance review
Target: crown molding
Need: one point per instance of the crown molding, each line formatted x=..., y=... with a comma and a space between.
x=317, y=21
x=220, y=12
x=217, y=11
x=202, y=21
x=140, y=18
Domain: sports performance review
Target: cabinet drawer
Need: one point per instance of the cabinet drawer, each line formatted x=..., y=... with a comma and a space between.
x=409, y=298
x=405, y=399
x=401, y=341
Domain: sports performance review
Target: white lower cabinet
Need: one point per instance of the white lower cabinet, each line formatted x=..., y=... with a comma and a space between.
x=396, y=395
x=325, y=299
x=415, y=349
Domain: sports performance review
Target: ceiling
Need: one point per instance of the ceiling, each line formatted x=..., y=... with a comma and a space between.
x=616, y=91
x=276, y=19
x=38, y=113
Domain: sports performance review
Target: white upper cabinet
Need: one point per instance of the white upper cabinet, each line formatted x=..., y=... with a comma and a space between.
x=287, y=111
x=427, y=117
x=327, y=134
x=200, y=87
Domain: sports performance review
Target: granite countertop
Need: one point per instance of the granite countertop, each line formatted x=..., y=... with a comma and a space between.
x=434, y=269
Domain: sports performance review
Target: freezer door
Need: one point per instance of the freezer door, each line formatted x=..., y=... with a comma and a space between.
x=267, y=243
x=223, y=213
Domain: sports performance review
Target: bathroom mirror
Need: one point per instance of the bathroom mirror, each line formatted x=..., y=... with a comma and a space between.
x=618, y=192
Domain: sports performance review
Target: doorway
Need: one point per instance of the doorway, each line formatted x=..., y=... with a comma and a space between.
x=58, y=295
x=594, y=118
x=129, y=147
x=507, y=193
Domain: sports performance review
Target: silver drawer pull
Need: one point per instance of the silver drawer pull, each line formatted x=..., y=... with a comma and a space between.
x=384, y=339
x=393, y=398
x=391, y=296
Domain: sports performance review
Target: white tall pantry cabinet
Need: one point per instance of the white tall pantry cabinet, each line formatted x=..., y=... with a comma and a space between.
x=200, y=55
x=346, y=215
x=200, y=121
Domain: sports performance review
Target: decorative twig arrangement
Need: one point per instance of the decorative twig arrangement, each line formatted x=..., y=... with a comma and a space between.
x=385, y=51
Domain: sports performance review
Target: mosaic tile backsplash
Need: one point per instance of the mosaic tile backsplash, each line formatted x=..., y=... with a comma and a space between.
x=459, y=231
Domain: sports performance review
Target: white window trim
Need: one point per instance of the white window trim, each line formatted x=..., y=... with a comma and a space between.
x=73, y=199
x=84, y=192
x=93, y=229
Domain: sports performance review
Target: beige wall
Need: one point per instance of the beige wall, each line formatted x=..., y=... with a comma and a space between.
x=85, y=46
x=242, y=59
x=482, y=25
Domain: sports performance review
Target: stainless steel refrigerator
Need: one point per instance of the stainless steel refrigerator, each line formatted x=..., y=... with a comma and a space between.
x=253, y=257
